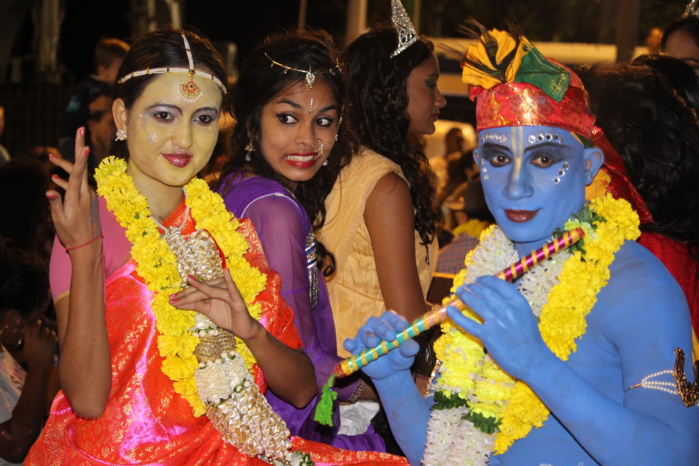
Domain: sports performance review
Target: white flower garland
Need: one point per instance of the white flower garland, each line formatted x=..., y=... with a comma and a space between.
x=451, y=439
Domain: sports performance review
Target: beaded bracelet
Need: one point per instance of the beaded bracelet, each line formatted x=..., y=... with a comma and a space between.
x=358, y=391
x=84, y=244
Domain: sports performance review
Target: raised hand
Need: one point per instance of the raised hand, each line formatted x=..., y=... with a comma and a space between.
x=372, y=333
x=221, y=302
x=76, y=217
x=509, y=331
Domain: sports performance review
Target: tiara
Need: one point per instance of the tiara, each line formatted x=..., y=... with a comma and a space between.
x=189, y=91
x=692, y=9
x=310, y=77
x=403, y=26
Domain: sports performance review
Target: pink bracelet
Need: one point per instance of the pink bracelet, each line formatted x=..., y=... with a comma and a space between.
x=84, y=244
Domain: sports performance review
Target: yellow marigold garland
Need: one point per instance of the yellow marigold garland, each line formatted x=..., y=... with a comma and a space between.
x=157, y=265
x=471, y=375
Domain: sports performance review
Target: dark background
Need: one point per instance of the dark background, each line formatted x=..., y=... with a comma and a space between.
x=35, y=106
x=246, y=22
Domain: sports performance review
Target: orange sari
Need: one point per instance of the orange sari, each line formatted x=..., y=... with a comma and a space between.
x=145, y=421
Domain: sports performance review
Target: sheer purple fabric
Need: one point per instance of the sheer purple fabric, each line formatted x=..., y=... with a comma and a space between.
x=283, y=226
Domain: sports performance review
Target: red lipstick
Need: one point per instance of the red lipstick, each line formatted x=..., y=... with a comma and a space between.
x=301, y=159
x=520, y=216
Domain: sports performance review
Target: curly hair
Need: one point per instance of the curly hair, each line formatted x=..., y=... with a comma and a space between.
x=258, y=84
x=24, y=280
x=377, y=102
x=680, y=75
x=657, y=135
x=159, y=49
x=24, y=217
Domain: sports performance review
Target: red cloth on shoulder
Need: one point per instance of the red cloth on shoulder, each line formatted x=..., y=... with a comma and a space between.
x=681, y=265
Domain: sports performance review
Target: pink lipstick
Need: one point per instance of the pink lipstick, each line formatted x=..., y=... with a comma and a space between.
x=178, y=160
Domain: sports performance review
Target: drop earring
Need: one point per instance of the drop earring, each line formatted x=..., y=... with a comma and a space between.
x=120, y=135
x=249, y=149
x=337, y=132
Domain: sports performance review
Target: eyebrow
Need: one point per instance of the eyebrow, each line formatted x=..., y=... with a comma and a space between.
x=179, y=110
x=295, y=105
x=488, y=145
x=545, y=144
x=169, y=106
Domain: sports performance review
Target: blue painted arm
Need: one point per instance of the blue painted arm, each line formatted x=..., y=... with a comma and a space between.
x=407, y=411
x=643, y=316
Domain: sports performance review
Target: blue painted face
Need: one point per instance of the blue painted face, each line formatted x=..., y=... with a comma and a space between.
x=534, y=179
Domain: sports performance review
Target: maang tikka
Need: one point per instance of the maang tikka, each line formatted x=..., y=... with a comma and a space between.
x=189, y=91
x=310, y=77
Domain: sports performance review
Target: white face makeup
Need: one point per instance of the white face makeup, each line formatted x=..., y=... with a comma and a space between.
x=170, y=140
x=534, y=179
x=298, y=130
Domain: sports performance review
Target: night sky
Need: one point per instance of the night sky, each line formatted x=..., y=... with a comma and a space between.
x=243, y=22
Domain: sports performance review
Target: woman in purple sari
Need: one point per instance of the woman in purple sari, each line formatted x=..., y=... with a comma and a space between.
x=287, y=148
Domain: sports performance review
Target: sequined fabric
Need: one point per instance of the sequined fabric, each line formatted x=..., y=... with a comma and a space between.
x=521, y=104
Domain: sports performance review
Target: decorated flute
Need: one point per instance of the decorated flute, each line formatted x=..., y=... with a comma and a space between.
x=435, y=316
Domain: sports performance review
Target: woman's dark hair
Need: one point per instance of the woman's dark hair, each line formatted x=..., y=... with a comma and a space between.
x=160, y=49
x=258, y=83
x=377, y=105
x=25, y=219
x=680, y=75
x=688, y=24
x=657, y=135
x=24, y=280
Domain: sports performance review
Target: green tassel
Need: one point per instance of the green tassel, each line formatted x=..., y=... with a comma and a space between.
x=324, y=410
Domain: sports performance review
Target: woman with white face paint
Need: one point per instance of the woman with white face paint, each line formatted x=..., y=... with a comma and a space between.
x=171, y=322
x=581, y=360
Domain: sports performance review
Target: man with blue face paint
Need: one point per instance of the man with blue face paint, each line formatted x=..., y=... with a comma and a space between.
x=575, y=362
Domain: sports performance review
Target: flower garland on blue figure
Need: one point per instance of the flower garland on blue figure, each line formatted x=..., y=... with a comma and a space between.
x=576, y=361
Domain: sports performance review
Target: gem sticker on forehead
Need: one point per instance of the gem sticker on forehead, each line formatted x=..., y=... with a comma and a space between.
x=493, y=137
x=545, y=137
